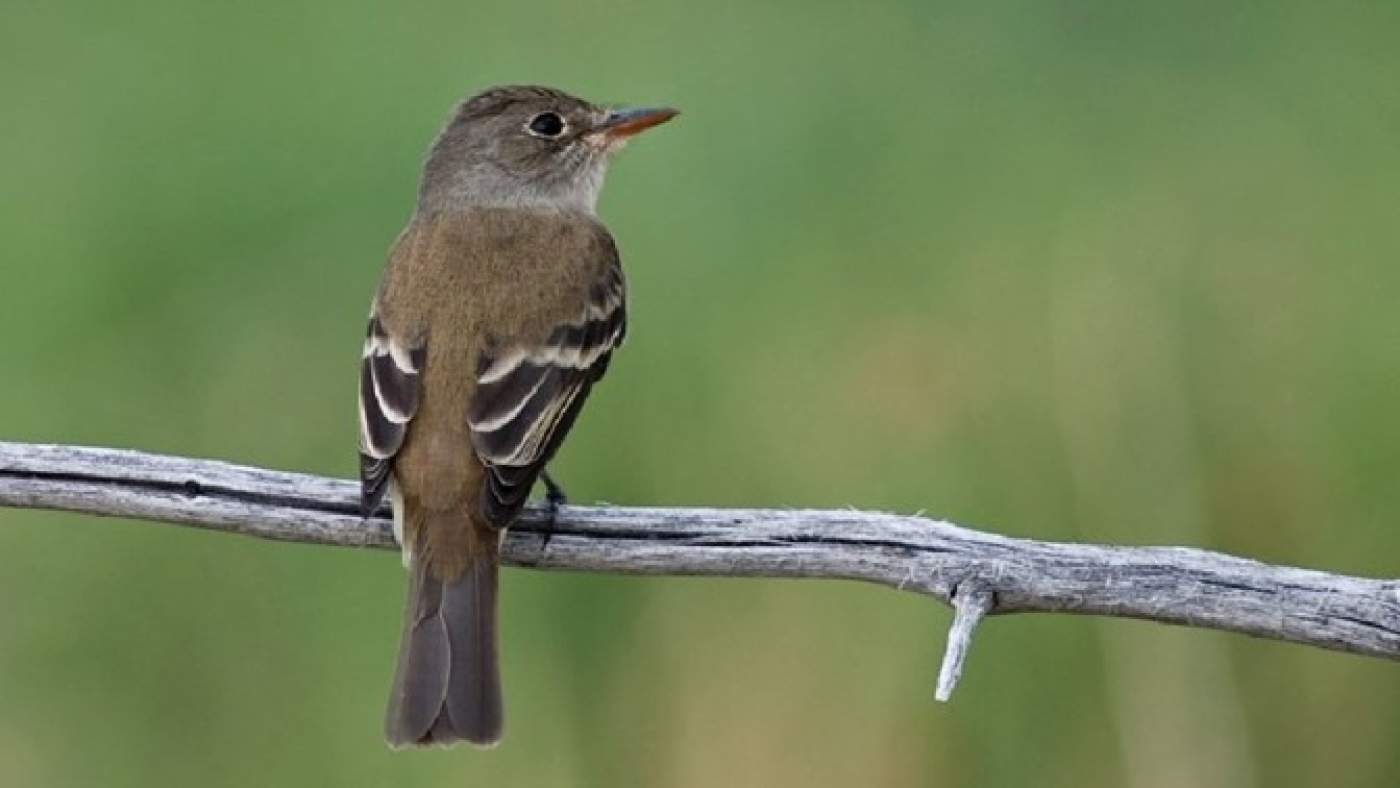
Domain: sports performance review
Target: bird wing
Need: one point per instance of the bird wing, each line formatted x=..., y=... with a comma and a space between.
x=390, y=372
x=527, y=396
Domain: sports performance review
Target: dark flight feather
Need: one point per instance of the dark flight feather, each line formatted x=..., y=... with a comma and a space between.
x=390, y=374
x=527, y=398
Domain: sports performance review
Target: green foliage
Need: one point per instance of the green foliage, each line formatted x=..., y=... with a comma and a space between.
x=1088, y=271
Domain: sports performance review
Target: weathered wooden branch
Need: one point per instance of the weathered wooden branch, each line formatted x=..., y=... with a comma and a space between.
x=978, y=573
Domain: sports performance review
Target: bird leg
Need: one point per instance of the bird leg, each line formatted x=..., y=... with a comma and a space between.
x=555, y=497
x=552, y=491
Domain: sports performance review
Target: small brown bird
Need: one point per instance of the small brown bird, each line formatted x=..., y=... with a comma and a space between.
x=500, y=307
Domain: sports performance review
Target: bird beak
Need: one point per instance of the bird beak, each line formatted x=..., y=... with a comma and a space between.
x=619, y=124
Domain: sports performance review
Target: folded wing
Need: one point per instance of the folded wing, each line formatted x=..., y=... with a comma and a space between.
x=528, y=397
x=390, y=371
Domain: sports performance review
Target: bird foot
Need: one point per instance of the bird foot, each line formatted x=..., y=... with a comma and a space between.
x=555, y=497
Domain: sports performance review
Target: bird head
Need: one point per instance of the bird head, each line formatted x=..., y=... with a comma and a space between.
x=526, y=146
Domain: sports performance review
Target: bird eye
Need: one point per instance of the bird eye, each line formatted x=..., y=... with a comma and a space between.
x=546, y=124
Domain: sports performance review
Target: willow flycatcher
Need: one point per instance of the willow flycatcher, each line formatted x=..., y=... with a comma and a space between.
x=500, y=307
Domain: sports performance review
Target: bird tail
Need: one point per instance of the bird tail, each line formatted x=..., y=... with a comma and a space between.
x=447, y=686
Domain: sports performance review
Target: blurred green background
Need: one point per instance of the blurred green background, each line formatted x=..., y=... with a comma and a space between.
x=1079, y=271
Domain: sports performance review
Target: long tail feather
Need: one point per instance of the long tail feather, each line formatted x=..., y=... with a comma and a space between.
x=447, y=685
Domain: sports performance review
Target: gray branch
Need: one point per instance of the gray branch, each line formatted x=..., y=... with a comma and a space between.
x=979, y=573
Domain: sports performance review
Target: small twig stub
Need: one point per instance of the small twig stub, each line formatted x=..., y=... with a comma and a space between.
x=970, y=605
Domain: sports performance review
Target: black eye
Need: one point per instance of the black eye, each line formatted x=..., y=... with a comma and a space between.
x=546, y=124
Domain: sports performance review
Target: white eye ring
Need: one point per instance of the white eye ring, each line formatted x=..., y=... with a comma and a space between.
x=546, y=125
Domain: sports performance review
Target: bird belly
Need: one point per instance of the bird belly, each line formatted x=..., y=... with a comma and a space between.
x=396, y=504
